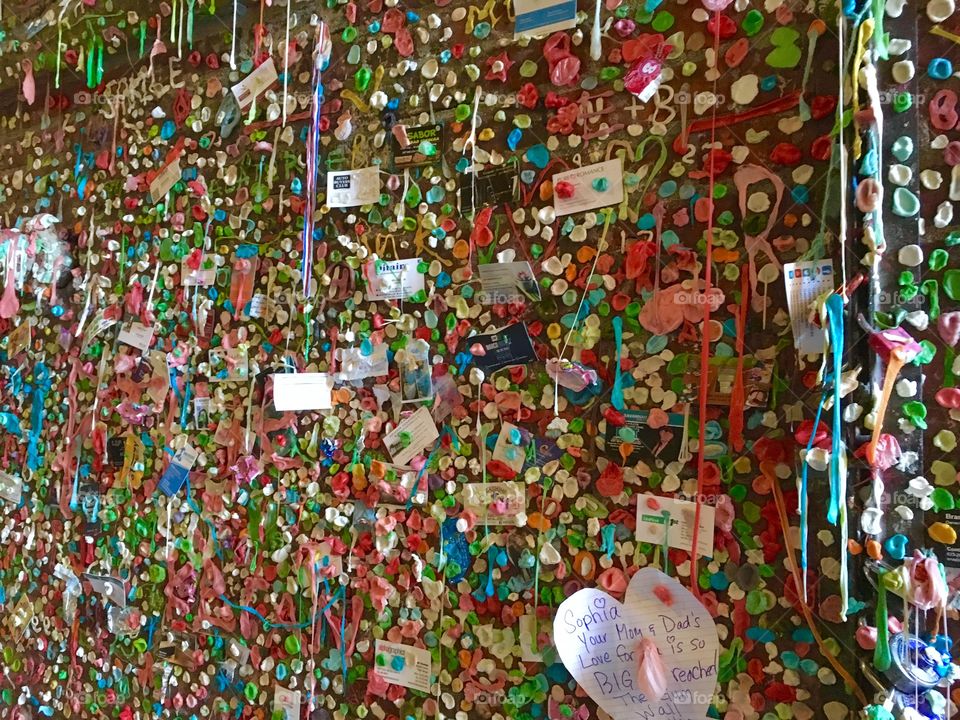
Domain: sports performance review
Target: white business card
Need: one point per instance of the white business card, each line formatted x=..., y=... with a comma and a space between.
x=403, y=665
x=496, y=503
x=393, y=279
x=536, y=18
x=659, y=517
x=136, y=334
x=351, y=188
x=411, y=436
x=588, y=187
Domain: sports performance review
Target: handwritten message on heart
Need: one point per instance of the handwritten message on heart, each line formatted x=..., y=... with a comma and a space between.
x=598, y=637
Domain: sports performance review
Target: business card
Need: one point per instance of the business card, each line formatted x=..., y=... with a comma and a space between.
x=659, y=517
x=588, y=187
x=403, y=665
x=352, y=188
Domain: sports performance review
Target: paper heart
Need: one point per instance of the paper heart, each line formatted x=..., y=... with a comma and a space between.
x=598, y=639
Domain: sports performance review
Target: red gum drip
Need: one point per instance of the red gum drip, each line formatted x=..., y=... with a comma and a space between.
x=773, y=107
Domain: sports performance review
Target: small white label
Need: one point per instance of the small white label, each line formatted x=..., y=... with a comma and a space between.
x=165, y=179
x=287, y=702
x=496, y=503
x=262, y=306
x=11, y=487
x=249, y=89
x=354, y=365
x=805, y=282
x=507, y=282
x=393, y=279
x=136, y=334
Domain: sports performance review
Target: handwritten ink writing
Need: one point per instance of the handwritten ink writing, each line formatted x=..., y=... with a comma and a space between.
x=594, y=660
x=597, y=637
x=616, y=683
x=591, y=641
x=599, y=613
x=671, y=624
x=692, y=674
x=628, y=632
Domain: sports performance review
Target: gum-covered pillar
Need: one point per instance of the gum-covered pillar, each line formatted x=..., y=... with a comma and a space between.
x=887, y=322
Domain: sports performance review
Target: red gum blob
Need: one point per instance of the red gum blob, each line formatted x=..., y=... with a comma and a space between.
x=663, y=595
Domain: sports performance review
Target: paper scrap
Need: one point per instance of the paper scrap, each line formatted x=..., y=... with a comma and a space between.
x=496, y=503
x=354, y=365
x=165, y=179
x=302, y=391
x=541, y=17
x=249, y=89
x=393, y=279
x=506, y=282
x=177, y=471
x=287, y=702
x=136, y=334
x=11, y=487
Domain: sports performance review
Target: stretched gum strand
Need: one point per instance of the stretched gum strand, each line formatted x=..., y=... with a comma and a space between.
x=746, y=176
x=834, y=305
x=804, y=608
x=704, y=339
x=897, y=360
x=945, y=34
x=864, y=33
x=781, y=104
x=881, y=653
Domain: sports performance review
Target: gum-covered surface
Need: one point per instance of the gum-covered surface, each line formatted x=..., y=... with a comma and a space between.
x=335, y=328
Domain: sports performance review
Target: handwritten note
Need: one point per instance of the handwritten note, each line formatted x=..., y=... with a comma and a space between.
x=597, y=636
